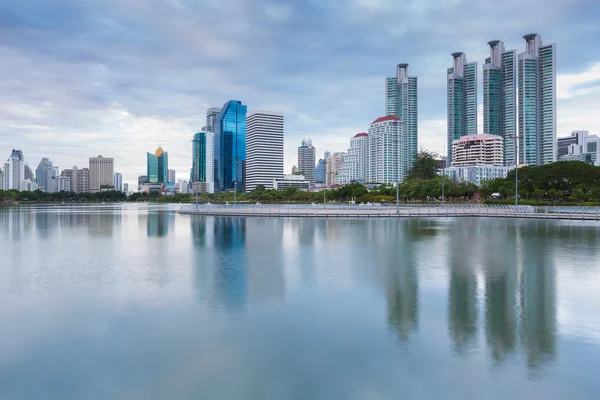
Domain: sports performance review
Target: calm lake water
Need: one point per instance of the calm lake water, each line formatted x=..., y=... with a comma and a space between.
x=139, y=302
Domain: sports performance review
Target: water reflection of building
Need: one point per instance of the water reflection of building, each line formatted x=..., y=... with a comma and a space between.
x=102, y=224
x=264, y=259
x=400, y=274
x=230, y=271
x=499, y=264
x=538, y=297
x=158, y=223
x=462, y=298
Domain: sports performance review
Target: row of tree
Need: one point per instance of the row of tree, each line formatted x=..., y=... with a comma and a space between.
x=39, y=196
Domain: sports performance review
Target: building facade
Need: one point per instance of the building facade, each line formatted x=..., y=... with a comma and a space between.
x=101, y=171
x=477, y=174
x=203, y=159
x=401, y=98
x=46, y=176
x=212, y=114
x=297, y=181
x=171, y=176
x=353, y=168
x=332, y=167
x=264, y=148
x=478, y=149
x=14, y=171
x=500, y=97
x=537, y=102
x=157, y=165
x=79, y=179
x=384, y=158
x=230, y=147
x=118, y=182
x=306, y=161
x=462, y=99
x=580, y=146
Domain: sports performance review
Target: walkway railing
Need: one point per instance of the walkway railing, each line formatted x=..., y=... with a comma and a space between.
x=433, y=211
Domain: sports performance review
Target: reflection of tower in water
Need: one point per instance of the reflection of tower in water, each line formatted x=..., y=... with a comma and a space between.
x=158, y=223
x=500, y=292
x=462, y=313
x=230, y=271
x=538, y=296
x=401, y=276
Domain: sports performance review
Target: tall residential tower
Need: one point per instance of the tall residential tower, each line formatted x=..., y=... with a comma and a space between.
x=401, y=100
x=499, y=97
x=203, y=158
x=537, y=102
x=101, y=173
x=462, y=100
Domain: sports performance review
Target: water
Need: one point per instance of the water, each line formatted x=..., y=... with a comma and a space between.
x=138, y=302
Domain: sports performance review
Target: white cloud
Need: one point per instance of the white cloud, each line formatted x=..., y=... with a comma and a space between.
x=569, y=85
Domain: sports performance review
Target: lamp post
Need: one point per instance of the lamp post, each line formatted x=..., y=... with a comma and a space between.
x=444, y=179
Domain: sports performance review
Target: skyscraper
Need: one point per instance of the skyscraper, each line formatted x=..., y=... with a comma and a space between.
x=230, y=147
x=14, y=171
x=46, y=176
x=158, y=166
x=79, y=179
x=264, y=158
x=101, y=173
x=499, y=97
x=332, y=167
x=211, y=119
x=306, y=161
x=401, y=99
x=537, y=102
x=462, y=100
x=203, y=160
x=118, y=182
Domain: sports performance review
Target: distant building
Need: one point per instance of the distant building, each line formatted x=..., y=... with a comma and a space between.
x=79, y=179
x=203, y=160
x=46, y=176
x=157, y=166
x=353, y=167
x=118, y=182
x=28, y=173
x=29, y=185
x=126, y=188
x=320, y=170
x=64, y=183
x=306, y=161
x=297, y=181
x=14, y=171
x=171, y=176
x=101, y=171
x=401, y=101
x=477, y=174
x=294, y=169
x=264, y=148
x=1, y=179
x=230, y=147
x=579, y=146
x=212, y=114
x=478, y=150
x=183, y=186
x=332, y=167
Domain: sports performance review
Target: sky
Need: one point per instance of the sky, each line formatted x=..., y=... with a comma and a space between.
x=79, y=78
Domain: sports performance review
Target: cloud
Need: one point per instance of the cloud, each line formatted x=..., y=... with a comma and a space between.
x=120, y=77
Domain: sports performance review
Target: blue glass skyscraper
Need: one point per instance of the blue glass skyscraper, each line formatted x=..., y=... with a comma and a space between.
x=230, y=147
x=158, y=165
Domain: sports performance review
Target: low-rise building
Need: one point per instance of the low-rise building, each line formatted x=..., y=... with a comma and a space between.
x=477, y=174
x=580, y=146
x=291, y=180
x=478, y=150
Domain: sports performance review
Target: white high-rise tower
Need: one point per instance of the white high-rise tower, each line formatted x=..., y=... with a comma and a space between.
x=264, y=149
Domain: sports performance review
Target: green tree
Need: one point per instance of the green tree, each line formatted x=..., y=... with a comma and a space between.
x=425, y=166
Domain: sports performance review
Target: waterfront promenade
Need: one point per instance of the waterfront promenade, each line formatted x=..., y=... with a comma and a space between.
x=342, y=211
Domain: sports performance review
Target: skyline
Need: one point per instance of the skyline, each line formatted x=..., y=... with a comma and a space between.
x=93, y=80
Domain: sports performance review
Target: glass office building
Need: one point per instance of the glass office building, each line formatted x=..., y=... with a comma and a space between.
x=158, y=166
x=230, y=147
